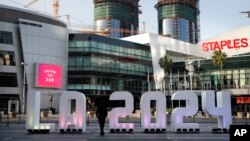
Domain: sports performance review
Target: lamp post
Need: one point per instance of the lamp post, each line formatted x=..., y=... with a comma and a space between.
x=24, y=85
x=189, y=66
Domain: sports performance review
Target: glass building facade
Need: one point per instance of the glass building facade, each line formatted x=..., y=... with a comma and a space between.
x=117, y=19
x=7, y=60
x=235, y=77
x=179, y=19
x=99, y=64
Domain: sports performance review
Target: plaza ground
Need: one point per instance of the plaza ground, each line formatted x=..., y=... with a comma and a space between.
x=14, y=129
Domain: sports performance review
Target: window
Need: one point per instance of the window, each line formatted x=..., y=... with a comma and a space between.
x=7, y=58
x=6, y=37
x=79, y=61
x=71, y=61
x=79, y=44
x=72, y=44
x=8, y=80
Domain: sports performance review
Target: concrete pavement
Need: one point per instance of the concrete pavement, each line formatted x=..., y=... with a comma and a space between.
x=16, y=132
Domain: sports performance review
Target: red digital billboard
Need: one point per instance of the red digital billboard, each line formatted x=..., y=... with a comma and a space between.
x=49, y=76
x=242, y=100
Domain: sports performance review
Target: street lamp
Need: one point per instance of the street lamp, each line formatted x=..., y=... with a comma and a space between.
x=189, y=66
x=24, y=85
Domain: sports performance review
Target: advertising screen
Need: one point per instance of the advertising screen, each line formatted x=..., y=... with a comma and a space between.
x=48, y=76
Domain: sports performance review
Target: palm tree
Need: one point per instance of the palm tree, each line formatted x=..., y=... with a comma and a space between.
x=219, y=59
x=166, y=63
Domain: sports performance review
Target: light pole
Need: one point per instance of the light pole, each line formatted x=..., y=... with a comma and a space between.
x=189, y=66
x=24, y=85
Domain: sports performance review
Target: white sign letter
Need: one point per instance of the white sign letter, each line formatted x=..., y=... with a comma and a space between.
x=76, y=121
x=121, y=112
x=160, y=110
x=190, y=110
x=33, y=115
x=223, y=110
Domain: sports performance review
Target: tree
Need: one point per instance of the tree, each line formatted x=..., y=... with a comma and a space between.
x=166, y=63
x=219, y=59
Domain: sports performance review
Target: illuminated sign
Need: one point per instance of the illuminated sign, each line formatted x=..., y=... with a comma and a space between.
x=33, y=114
x=115, y=113
x=77, y=122
x=220, y=45
x=222, y=111
x=190, y=110
x=160, y=106
x=242, y=100
x=48, y=76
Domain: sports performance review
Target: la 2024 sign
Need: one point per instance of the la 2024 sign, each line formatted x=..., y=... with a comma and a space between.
x=78, y=120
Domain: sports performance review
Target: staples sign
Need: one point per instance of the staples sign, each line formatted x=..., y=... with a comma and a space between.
x=48, y=76
x=223, y=44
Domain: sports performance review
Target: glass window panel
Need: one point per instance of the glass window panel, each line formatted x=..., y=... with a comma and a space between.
x=86, y=43
x=86, y=61
x=79, y=44
x=79, y=61
x=71, y=43
x=8, y=80
x=6, y=37
x=94, y=44
x=72, y=61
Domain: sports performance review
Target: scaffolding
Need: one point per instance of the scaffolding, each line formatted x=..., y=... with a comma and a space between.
x=122, y=15
x=179, y=11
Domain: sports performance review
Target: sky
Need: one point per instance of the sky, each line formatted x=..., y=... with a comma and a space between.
x=216, y=16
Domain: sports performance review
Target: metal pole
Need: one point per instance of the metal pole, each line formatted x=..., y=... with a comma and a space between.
x=245, y=114
x=170, y=82
x=191, y=81
x=88, y=119
x=23, y=95
x=8, y=120
x=148, y=80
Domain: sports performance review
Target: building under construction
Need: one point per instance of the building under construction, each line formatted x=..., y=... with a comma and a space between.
x=117, y=18
x=179, y=19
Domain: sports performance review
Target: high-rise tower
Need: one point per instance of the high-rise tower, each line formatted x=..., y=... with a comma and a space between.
x=179, y=19
x=117, y=18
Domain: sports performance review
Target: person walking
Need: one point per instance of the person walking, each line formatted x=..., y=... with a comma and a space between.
x=101, y=112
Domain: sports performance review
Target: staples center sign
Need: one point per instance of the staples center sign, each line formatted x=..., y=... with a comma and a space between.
x=225, y=44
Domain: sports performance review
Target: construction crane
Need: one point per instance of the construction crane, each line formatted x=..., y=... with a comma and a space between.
x=247, y=13
x=55, y=6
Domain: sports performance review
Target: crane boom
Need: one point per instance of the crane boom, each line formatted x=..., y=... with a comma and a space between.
x=31, y=2
x=55, y=8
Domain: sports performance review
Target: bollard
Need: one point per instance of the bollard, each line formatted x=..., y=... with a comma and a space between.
x=7, y=121
x=140, y=119
x=19, y=119
x=88, y=119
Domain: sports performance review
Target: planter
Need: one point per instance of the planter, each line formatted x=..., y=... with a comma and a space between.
x=12, y=114
x=240, y=114
x=207, y=116
x=248, y=114
x=44, y=114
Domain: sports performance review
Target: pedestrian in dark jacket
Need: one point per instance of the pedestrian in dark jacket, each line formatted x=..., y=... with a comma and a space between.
x=101, y=112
